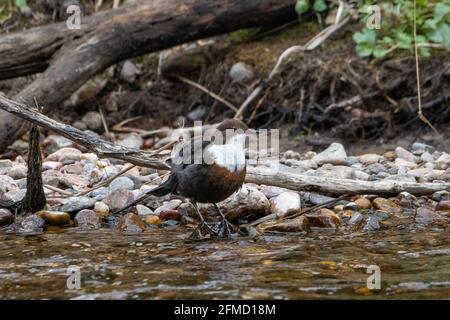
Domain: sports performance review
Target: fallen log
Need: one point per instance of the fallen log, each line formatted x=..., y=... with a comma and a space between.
x=300, y=182
x=144, y=28
x=258, y=175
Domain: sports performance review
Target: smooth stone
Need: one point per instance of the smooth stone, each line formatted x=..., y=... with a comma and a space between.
x=167, y=206
x=369, y=158
x=6, y=217
x=404, y=154
x=65, y=154
x=132, y=141
x=443, y=162
x=352, y=160
x=390, y=155
x=75, y=204
x=54, y=218
x=87, y=219
x=443, y=205
x=143, y=211
x=7, y=184
x=372, y=224
x=101, y=209
x=118, y=199
x=375, y=168
x=51, y=165
x=129, y=72
x=361, y=175
x=121, y=183
x=289, y=154
x=79, y=125
x=91, y=157
x=170, y=215
x=241, y=72
x=31, y=224
x=74, y=168
x=427, y=157
x=284, y=202
x=55, y=142
x=93, y=120
x=18, y=171
x=298, y=224
x=152, y=220
x=169, y=223
x=351, y=206
x=335, y=172
x=131, y=223
x=356, y=218
x=399, y=162
x=384, y=204
x=334, y=154
x=419, y=148
x=5, y=166
x=426, y=216
x=442, y=195
x=363, y=203
x=324, y=218
x=271, y=191
x=101, y=192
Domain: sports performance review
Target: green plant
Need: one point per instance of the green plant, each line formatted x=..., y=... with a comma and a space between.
x=396, y=32
x=304, y=6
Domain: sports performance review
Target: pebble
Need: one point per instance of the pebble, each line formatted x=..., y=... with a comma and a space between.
x=443, y=205
x=18, y=171
x=51, y=165
x=404, y=154
x=351, y=206
x=6, y=217
x=241, y=72
x=131, y=223
x=363, y=203
x=75, y=204
x=356, y=218
x=168, y=206
x=284, y=202
x=419, y=148
x=426, y=216
x=324, y=218
x=372, y=224
x=55, y=218
x=132, y=141
x=443, y=162
x=129, y=72
x=87, y=219
x=384, y=204
x=91, y=157
x=334, y=154
x=441, y=195
x=65, y=154
x=121, y=183
x=55, y=142
x=93, y=120
x=118, y=199
x=143, y=211
x=101, y=209
x=369, y=158
x=427, y=157
x=152, y=220
x=297, y=224
x=390, y=155
x=399, y=162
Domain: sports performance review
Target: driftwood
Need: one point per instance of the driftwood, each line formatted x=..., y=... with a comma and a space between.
x=302, y=182
x=256, y=175
x=74, y=57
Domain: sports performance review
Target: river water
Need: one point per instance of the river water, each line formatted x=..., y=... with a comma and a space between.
x=160, y=264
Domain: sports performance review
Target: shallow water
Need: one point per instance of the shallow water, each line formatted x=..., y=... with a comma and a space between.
x=159, y=264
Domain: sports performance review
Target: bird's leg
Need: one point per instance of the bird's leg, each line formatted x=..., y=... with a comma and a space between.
x=202, y=224
x=227, y=228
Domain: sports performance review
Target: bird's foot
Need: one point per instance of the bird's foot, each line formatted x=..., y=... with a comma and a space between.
x=227, y=229
x=204, y=231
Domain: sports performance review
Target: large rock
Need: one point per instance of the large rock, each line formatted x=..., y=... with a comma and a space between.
x=121, y=183
x=87, y=219
x=31, y=224
x=284, y=202
x=75, y=204
x=118, y=199
x=334, y=154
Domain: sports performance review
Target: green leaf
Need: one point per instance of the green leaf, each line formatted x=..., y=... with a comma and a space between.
x=431, y=24
x=364, y=49
x=441, y=10
x=365, y=36
x=20, y=3
x=320, y=6
x=380, y=51
x=424, y=52
x=387, y=40
x=404, y=40
x=302, y=6
x=422, y=3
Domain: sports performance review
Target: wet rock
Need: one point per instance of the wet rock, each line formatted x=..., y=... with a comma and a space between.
x=419, y=148
x=31, y=224
x=240, y=72
x=372, y=224
x=143, y=211
x=87, y=219
x=351, y=206
x=324, y=218
x=335, y=172
x=169, y=223
x=441, y=195
x=170, y=215
x=131, y=223
x=405, y=155
x=54, y=218
x=168, y=206
x=363, y=203
x=426, y=216
x=6, y=217
x=75, y=204
x=64, y=155
x=247, y=201
x=284, y=202
x=297, y=224
x=129, y=72
x=384, y=204
x=101, y=209
x=118, y=199
x=132, y=141
x=18, y=171
x=93, y=120
x=5, y=166
x=334, y=154
x=369, y=158
x=152, y=220
x=54, y=142
x=121, y=183
x=443, y=205
x=443, y=162
x=356, y=218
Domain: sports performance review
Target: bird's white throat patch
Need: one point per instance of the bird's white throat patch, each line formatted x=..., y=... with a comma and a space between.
x=231, y=155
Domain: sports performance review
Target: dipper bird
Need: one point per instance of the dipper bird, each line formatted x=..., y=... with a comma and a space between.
x=206, y=172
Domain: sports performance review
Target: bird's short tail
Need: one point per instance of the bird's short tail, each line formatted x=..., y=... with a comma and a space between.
x=161, y=190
